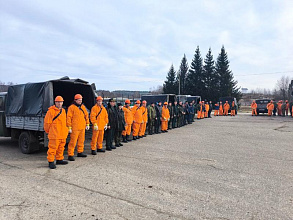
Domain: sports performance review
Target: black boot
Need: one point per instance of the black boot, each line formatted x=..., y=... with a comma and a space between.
x=124, y=140
x=134, y=138
x=127, y=138
x=113, y=147
x=52, y=165
x=120, y=144
x=94, y=152
x=71, y=158
x=108, y=148
x=61, y=162
x=101, y=150
x=117, y=145
x=81, y=154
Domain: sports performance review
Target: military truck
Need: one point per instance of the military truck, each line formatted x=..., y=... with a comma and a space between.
x=23, y=108
x=158, y=98
x=190, y=98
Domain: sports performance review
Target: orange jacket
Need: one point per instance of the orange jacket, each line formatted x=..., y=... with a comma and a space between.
x=102, y=120
x=279, y=106
x=56, y=129
x=77, y=119
x=226, y=106
x=165, y=114
x=137, y=114
x=221, y=108
x=144, y=114
x=253, y=105
x=207, y=106
x=270, y=106
x=128, y=115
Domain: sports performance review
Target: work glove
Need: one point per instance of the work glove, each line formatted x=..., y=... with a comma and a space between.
x=164, y=118
x=87, y=127
x=106, y=127
x=96, y=127
x=168, y=119
x=69, y=130
x=142, y=122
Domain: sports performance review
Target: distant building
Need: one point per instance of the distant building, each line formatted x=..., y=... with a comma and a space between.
x=244, y=90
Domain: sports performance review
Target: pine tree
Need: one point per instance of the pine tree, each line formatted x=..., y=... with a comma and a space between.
x=170, y=85
x=194, y=78
x=227, y=84
x=210, y=78
x=183, y=69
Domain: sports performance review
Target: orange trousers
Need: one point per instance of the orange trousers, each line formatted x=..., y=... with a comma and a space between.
x=221, y=112
x=127, y=130
x=164, y=125
x=232, y=112
x=206, y=114
x=216, y=113
x=270, y=112
x=202, y=114
x=226, y=112
x=135, y=127
x=198, y=114
x=76, y=137
x=97, y=139
x=142, y=129
x=254, y=112
x=55, y=149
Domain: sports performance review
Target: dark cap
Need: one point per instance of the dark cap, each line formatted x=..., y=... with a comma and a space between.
x=111, y=100
x=119, y=104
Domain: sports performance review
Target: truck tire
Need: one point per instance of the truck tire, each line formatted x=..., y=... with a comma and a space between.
x=27, y=143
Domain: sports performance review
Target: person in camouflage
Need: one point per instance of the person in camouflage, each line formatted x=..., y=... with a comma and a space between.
x=175, y=115
x=171, y=111
x=151, y=118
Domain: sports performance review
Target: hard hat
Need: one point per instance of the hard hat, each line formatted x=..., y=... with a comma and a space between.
x=144, y=102
x=137, y=102
x=99, y=98
x=59, y=99
x=127, y=101
x=77, y=96
x=165, y=103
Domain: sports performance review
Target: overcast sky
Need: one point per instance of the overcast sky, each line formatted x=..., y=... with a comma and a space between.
x=132, y=44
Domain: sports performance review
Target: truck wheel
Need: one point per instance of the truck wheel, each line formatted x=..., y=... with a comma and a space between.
x=27, y=143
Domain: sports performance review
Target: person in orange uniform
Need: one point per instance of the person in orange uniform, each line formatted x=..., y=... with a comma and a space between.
x=128, y=121
x=253, y=107
x=226, y=108
x=165, y=117
x=280, y=108
x=217, y=106
x=137, y=119
x=199, y=110
x=270, y=107
x=77, y=122
x=99, y=119
x=287, y=108
x=207, y=107
x=233, y=109
x=142, y=128
x=203, y=110
x=221, y=109
x=55, y=127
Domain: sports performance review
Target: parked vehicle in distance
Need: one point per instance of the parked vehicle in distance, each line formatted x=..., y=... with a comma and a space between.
x=158, y=98
x=262, y=105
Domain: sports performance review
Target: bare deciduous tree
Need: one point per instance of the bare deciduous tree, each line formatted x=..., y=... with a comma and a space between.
x=282, y=88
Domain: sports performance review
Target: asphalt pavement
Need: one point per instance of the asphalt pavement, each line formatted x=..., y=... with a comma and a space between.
x=219, y=168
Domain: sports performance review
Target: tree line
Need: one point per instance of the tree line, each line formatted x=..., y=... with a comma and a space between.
x=204, y=77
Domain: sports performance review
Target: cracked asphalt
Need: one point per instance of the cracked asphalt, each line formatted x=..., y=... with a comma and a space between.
x=219, y=168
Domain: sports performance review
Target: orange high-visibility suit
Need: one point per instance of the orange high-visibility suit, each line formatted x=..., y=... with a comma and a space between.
x=77, y=119
x=279, y=108
x=199, y=112
x=270, y=107
x=226, y=108
x=207, y=106
x=254, y=107
x=221, y=110
x=144, y=121
x=99, y=118
x=128, y=120
x=233, y=111
x=57, y=133
x=137, y=120
x=216, y=113
x=164, y=119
